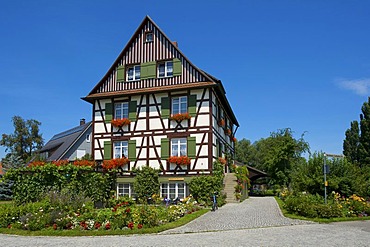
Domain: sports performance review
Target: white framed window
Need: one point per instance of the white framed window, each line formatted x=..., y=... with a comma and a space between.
x=178, y=147
x=149, y=37
x=133, y=73
x=165, y=69
x=173, y=190
x=120, y=149
x=125, y=189
x=121, y=110
x=179, y=104
x=88, y=138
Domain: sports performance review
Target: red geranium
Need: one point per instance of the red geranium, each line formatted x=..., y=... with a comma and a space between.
x=139, y=226
x=180, y=160
x=115, y=163
x=36, y=163
x=222, y=160
x=130, y=225
x=120, y=122
x=180, y=116
x=83, y=163
x=60, y=162
x=221, y=122
x=228, y=132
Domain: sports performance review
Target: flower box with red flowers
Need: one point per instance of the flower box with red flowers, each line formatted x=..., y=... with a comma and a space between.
x=222, y=160
x=120, y=122
x=228, y=132
x=233, y=139
x=180, y=160
x=115, y=163
x=221, y=122
x=180, y=117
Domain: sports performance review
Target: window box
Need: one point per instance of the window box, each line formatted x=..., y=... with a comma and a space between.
x=180, y=117
x=221, y=122
x=228, y=132
x=233, y=139
x=115, y=163
x=120, y=122
x=180, y=160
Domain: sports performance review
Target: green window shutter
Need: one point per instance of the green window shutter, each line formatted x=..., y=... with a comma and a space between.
x=148, y=70
x=165, y=148
x=177, y=68
x=107, y=150
x=143, y=71
x=165, y=107
x=108, y=112
x=192, y=105
x=132, y=110
x=121, y=73
x=132, y=150
x=191, y=147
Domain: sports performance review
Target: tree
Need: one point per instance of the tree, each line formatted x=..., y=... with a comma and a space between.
x=351, y=143
x=281, y=152
x=245, y=152
x=12, y=161
x=344, y=177
x=364, y=145
x=25, y=140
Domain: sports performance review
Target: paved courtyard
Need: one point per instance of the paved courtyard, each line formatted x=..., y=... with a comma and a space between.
x=255, y=222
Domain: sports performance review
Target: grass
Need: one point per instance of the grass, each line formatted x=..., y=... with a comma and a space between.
x=319, y=220
x=76, y=232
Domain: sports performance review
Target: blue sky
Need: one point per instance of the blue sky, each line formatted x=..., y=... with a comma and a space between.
x=303, y=65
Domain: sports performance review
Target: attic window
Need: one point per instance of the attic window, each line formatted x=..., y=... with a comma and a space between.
x=149, y=37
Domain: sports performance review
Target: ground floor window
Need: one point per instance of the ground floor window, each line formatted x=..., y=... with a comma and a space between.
x=125, y=189
x=173, y=190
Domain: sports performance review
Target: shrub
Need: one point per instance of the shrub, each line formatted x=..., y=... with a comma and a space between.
x=146, y=183
x=203, y=187
x=31, y=183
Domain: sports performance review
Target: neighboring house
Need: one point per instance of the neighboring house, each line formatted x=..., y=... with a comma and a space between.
x=69, y=145
x=151, y=81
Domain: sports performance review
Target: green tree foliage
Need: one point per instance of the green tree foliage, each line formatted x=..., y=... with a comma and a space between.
x=351, y=143
x=146, y=183
x=25, y=140
x=281, y=152
x=202, y=187
x=344, y=177
x=364, y=145
x=12, y=161
x=245, y=152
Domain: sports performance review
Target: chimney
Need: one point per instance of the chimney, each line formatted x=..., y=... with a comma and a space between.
x=175, y=44
x=82, y=121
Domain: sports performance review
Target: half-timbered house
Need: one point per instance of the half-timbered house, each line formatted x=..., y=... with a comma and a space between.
x=153, y=106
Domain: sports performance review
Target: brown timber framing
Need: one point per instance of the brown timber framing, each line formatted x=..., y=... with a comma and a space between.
x=150, y=126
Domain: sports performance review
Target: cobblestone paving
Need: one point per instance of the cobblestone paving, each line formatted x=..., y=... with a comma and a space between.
x=254, y=212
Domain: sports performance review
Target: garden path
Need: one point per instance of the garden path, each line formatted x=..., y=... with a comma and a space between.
x=254, y=212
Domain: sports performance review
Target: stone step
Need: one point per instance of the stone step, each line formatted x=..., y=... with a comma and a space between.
x=229, y=184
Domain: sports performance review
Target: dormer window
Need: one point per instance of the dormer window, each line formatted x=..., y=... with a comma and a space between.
x=165, y=69
x=133, y=73
x=149, y=37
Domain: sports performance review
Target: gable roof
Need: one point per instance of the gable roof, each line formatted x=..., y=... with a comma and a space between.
x=64, y=141
x=203, y=80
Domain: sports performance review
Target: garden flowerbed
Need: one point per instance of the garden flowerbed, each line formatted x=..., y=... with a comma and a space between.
x=58, y=211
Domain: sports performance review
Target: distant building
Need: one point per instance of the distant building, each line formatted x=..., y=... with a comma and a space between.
x=69, y=145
